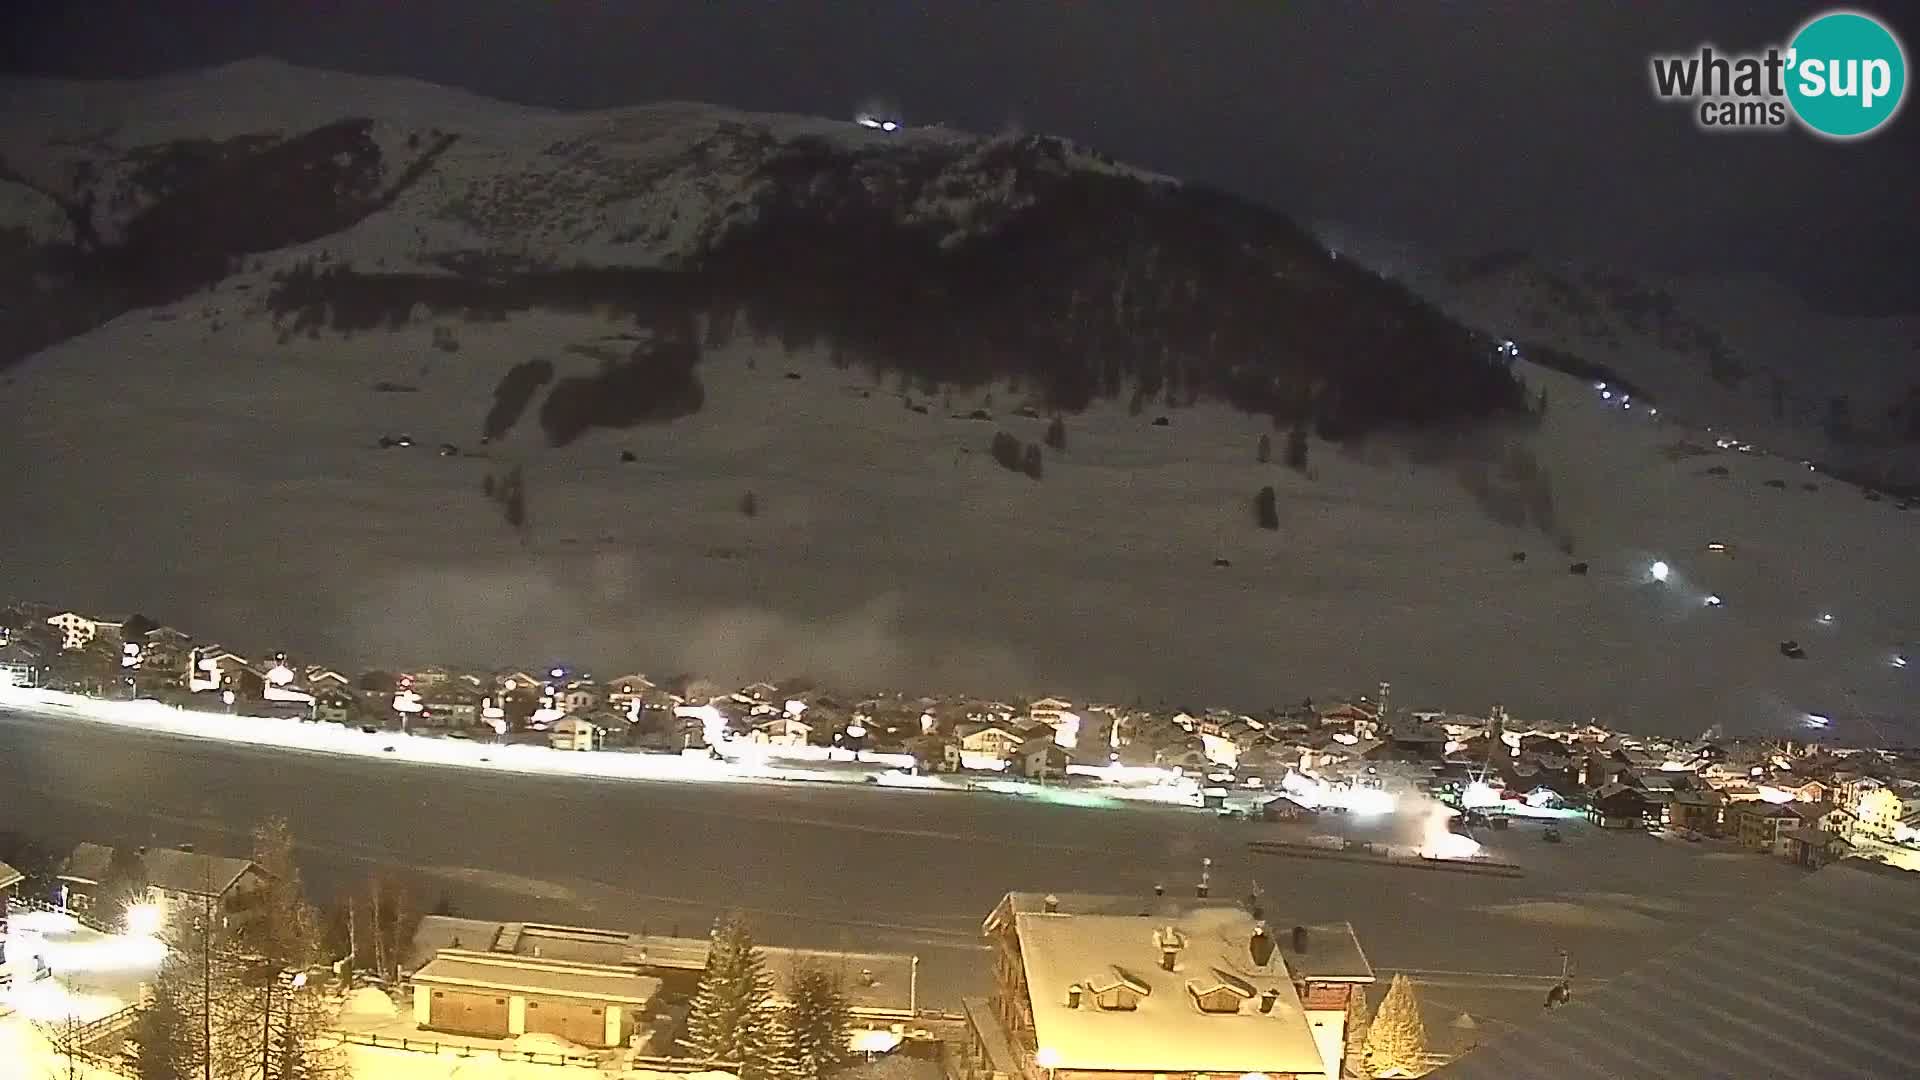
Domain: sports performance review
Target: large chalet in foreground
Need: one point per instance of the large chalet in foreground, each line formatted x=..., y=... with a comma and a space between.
x=1107, y=988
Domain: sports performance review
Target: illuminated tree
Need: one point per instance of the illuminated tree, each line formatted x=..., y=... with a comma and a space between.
x=817, y=1024
x=1396, y=1043
x=1354, y=1054
x=728, y=1020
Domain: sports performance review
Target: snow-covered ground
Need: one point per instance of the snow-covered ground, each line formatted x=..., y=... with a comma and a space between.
x=229, y=484
x=186, y=463
x=742, y=762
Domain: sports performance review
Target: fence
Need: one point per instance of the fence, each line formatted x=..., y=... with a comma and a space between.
x=431, y=1046
x=530, y=1057
x=32, y=903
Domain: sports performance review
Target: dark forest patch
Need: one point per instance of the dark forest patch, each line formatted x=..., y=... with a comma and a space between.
x=512, y=394
x=657, y=384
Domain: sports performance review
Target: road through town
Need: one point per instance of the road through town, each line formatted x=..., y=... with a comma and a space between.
x=835, y=865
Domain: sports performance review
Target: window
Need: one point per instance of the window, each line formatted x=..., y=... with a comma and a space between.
x=1220, y=999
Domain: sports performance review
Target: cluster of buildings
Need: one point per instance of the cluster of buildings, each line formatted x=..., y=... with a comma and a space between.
x=1092, y=987
x=1807, y=802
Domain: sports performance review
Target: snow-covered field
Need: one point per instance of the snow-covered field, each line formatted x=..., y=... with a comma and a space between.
x=227, y=483
x=185, y=463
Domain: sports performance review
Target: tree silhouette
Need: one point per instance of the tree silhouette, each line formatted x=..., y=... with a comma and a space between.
x=1266, y=509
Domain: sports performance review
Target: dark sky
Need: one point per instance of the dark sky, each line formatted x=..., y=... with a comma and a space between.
x=1457, y=127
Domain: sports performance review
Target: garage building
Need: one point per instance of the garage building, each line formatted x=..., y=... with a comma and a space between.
x=501, y=996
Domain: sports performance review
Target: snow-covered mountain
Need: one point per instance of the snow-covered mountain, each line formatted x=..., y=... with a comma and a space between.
x=229, y=289
x=1743, y=353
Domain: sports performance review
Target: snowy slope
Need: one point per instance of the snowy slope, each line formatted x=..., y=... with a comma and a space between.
x=1742, y=353
x=210, y=458
x=231, y=484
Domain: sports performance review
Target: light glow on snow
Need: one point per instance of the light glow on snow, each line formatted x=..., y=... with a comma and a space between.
x=1660, y=571
x=145, y=920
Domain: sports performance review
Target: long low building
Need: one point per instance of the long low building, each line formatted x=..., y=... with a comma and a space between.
x=881, y=988
x=502, y=996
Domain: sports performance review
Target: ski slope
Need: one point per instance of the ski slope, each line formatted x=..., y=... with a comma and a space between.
x=230, y=484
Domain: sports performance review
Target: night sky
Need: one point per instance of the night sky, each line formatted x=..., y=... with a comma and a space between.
x=1458, y=128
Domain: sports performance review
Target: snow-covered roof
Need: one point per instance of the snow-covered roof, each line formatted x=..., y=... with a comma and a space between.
x=1165, y=1031
x=1810, y=983
x=9, y=877
x=171, y=869
x=536, y=975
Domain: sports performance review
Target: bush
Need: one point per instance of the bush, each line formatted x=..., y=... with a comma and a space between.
x=1031, y=465
x=1263, y=453
x=1266, y=508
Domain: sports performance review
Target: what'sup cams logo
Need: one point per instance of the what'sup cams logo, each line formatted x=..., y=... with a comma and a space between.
x=1843, y=75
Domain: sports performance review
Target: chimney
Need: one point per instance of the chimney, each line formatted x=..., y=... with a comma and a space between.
x=1170, y=942
x=1268, y=998
x=1051, y=904
x=1300, y=940
x=1073, y=996
x=866, y=977
x=1159, y=889
x=1260, y=945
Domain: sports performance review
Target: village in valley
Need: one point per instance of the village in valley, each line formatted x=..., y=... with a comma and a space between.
x=1809, y=802
x=104, y=939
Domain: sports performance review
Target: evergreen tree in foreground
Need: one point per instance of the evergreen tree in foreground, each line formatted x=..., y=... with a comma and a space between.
x=818, y=1022
x=160, y=1047
x=1354, y=1053
x=728, y=1021
x=1397, y=1042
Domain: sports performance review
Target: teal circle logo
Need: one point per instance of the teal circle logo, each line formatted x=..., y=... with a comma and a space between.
x=1847, y=74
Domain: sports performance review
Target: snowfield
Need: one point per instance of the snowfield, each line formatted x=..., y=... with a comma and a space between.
x=232, y=485
x=200, y=464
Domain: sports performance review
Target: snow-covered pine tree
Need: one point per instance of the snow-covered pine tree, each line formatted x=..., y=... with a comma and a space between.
x=778, y=1057
x=1354, y=1054
x=728, y=1019
x=1397, y=1042
x=818, y=1023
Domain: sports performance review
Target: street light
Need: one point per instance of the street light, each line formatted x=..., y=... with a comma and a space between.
x=145, y=920
x=1048, y=1059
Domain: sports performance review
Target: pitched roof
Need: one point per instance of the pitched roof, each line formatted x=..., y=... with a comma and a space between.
x=10, y=877
x=556, y=978
x=1829, y=999
x=190, y=872
x=1165, y=1031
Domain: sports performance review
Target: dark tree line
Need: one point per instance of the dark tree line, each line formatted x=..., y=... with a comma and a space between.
x=1095, y=287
